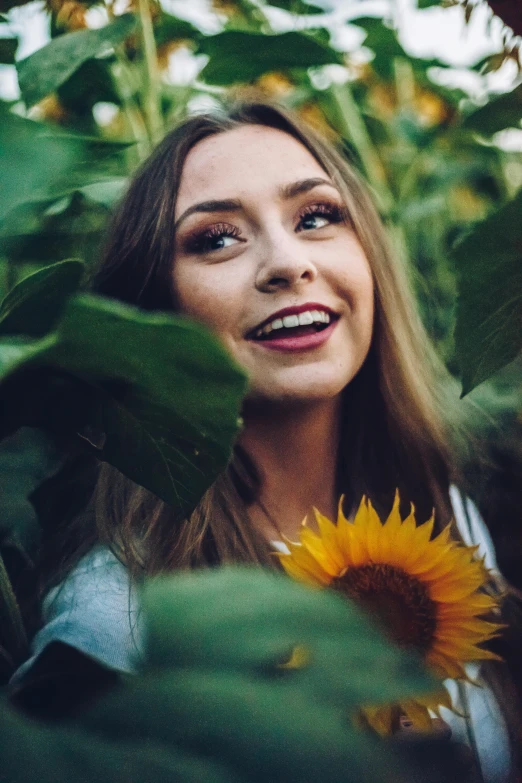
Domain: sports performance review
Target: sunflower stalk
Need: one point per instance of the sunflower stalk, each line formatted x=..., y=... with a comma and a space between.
x=353, y=128
x=151, y=96
x=123, y=82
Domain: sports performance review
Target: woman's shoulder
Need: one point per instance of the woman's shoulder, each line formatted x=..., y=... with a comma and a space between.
x=94, y=610
x=472, y=527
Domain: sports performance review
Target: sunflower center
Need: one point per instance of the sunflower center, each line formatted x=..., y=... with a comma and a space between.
x=399, y=601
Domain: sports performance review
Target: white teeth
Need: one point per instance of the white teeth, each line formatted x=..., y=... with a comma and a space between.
x=305, y=319
x=289, y=321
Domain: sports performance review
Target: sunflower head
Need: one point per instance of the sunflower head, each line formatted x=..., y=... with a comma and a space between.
x=427, y=593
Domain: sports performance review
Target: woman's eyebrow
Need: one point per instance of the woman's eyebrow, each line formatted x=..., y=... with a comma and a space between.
x=286, y=192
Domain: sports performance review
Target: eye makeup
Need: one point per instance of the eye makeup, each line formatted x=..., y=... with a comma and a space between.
x=213, y=238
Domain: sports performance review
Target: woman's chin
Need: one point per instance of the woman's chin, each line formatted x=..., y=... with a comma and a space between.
x=296, y=391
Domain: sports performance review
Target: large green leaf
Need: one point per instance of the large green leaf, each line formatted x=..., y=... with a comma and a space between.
x=237, y=56
x=502, y=112
x=61, y=755
x=195, y=620
x=213, y=684
x=49, y=67
x=153, y=394
x=488, y=334
x=237, y=717
x=32, y=158
x=49, y=288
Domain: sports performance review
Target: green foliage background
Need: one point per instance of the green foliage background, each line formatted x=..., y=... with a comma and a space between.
x=166, y=412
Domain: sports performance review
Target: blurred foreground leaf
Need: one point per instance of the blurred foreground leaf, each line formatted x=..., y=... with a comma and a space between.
x=488, y=334
x=213, y=684
x=195, y=620
x=34, y=305
x=44, y=71
x=153, y=394
x=225, y=711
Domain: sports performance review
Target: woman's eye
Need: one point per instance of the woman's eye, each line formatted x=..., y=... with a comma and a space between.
x=319, y=216
x=213, y=239
x=314, y=220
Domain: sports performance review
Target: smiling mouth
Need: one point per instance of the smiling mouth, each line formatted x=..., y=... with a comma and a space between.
x=285, y=333
x=294, y=325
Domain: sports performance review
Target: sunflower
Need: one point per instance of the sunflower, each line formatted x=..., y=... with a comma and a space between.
x=426, y=592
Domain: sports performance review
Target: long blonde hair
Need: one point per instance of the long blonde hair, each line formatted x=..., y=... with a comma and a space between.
x=400, y=435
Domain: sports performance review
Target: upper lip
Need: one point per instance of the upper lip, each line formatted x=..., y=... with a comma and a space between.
x=291, y=311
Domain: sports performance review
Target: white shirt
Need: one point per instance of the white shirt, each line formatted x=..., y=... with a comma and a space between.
x=95, y=610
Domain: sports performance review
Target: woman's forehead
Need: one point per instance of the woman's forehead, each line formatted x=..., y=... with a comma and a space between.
x=249, y=159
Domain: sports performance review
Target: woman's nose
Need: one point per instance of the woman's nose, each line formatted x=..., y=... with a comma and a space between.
x=284, y=265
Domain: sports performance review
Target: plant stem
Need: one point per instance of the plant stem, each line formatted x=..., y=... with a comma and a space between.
x=13, y=631
x=151, y=83
x=122, y=78
x=355, y=130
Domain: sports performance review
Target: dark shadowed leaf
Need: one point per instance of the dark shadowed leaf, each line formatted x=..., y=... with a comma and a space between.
x=153, y=394
x=499, y=113
x=8, y=48
x=61, y=755
x=297, y=6
x=49, y=67
x=263, y=729
x=239, y=56
x=170, y=28
x=488, y=334
x=428, y=3
x=26, y=459
x=33, y=307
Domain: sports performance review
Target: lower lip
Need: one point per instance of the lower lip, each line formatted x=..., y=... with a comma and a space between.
x=304, y=343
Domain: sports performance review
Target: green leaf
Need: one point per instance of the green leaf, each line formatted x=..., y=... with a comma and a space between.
x=499, y=113
x=8, y=47
x=240, y=56
x=488, y=334
x=383, y=40
x=153, y=394
x=427, y=3
x=35, y=304
x=62, y=754
x=49, y=67
x=213, y=683
x=170, y=28
x=26, y=459
x=297, y=6
x=195, y=619
x=32, y=158
x=264, y=730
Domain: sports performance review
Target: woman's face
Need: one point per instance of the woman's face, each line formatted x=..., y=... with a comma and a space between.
x=267, y=260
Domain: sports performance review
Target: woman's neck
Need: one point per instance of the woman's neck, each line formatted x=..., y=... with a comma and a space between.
x=295, y=453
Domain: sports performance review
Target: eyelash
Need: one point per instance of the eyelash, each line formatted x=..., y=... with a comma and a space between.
x=200, y=243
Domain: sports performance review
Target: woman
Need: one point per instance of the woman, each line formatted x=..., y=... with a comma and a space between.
x=251, y=224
